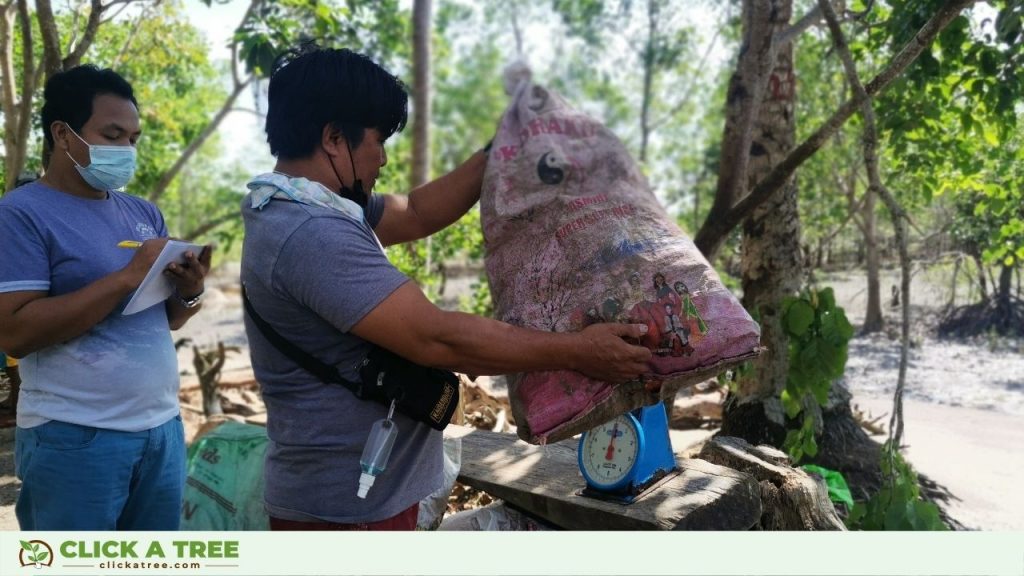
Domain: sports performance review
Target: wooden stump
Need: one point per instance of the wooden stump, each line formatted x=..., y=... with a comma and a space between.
x=791, y=499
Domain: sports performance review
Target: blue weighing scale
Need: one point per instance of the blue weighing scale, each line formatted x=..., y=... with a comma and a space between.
x=627, y=457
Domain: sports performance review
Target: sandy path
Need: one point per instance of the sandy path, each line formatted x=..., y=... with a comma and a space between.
x=974, y=453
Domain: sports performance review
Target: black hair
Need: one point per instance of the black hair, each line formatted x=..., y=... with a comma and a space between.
x=69, y=95
x=311, y=87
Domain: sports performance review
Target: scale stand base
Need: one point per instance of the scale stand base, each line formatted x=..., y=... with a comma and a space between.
x=634, y=494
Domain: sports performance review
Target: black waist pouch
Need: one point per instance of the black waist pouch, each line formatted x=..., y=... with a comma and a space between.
x=429, y=395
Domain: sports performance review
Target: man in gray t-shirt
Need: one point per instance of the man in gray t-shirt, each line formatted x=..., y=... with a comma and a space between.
x=314, y=268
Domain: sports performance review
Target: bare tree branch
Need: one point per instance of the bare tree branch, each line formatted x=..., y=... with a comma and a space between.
x=798, y=27
x=210, y=225
x=896, y=211
x=235, y=76
x=688, y=91
x=124, y=4
x=91, y=26
x=193, y=146
x=746, y=88
x=136, y=26
x=28, y=86
x=51, y=38
x=720, y=223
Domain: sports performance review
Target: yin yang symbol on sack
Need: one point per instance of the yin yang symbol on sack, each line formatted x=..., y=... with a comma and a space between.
x=551, y=168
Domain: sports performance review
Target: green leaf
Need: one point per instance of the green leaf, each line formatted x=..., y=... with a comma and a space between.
x=799, y=317
x=810, y=446
x=790, y=404
x=26, y=545
x=41, y=556
x=857, y=514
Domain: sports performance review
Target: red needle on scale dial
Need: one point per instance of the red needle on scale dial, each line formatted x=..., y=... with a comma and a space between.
x=608, y=455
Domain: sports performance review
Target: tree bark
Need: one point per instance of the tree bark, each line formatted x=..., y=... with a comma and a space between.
x=51, y=38
x=421, y=13
x=791, y=499
x=873, y=320
x=743, y=99
x=720, y=223
x=421, y=30
x=982, y=280
x=74, y=58
x=1004, y=304
x=771, y=259
x=7, y=94
x=648, y=58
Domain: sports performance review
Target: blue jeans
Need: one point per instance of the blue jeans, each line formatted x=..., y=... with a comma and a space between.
x=83, y=478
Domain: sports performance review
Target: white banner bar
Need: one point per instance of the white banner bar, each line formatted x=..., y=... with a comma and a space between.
x=513, y=553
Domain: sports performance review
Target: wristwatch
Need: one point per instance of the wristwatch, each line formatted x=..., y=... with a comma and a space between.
x=191, y=302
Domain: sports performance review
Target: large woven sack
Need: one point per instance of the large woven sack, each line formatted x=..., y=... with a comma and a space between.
x=224, y=487
x=575, y=236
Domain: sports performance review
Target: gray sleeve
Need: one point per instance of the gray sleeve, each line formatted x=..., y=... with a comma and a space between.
x=374, y=210
x=334, y=267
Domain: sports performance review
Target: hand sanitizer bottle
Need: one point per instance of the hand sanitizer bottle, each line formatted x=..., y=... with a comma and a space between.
x=377, y=451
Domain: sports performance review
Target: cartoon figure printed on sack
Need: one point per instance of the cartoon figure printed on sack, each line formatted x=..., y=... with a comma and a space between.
x=675, y=325
x=677, y=334
x=690, y=315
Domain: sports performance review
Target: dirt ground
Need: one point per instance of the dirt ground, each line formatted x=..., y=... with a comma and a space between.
x=964, y=406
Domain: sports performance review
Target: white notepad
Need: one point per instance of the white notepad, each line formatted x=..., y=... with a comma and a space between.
x=156, y=287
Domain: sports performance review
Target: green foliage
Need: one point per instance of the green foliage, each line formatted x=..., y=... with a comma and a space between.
x=989, y=208
x=818, y=337
x=898, y=504
x=479, y=302
x=378, y=29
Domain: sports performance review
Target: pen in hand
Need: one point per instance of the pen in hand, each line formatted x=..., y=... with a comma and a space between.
x=129, y=244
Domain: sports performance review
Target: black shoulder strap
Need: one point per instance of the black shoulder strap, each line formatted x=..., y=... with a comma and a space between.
x=307, y=361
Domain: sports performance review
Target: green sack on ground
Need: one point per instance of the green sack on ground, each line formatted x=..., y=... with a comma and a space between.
x=838, y=491
x=224, y=488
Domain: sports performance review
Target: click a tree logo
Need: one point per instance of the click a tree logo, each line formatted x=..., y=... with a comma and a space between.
x=35, y=553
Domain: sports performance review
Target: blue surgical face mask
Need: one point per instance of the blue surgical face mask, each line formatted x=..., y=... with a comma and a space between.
x=110, y=167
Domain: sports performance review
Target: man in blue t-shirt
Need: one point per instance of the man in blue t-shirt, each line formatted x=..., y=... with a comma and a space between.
x=99, y=443
x=314, y=268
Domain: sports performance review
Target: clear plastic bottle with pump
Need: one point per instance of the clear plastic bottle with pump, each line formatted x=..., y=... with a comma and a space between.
x=377, y=451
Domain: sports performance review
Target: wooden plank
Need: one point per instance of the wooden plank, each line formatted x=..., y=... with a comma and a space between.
x=544, y=481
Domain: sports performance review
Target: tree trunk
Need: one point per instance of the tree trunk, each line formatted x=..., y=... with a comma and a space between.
x=421, y=93
x=873, y=321
x=791, y=499
x=421, y=30
x=1003, y=302
x=723, y=219
x=770, y=255
x=982, y=281
x=648, y=57
x=7, y=95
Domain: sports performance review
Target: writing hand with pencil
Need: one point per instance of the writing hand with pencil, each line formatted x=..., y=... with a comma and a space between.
x=145, y=254
x=188, y=277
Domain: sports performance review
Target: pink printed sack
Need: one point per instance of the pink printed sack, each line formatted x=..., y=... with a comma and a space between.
x=575, y=236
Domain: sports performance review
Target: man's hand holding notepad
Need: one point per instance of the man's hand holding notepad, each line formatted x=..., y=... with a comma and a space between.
x=156, y=287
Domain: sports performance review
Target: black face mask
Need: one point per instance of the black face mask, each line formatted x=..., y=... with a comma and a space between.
x=356, y=192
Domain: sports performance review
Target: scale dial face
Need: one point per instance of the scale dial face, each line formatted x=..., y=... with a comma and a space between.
x=609, y=452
